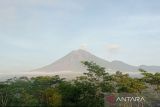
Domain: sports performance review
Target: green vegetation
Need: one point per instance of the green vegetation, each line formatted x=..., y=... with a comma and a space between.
x=84, y=91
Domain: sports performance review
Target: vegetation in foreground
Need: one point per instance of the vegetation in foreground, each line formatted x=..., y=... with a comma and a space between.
x=84, y=91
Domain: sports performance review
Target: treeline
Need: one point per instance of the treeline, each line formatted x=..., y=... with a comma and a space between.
x=84, y=91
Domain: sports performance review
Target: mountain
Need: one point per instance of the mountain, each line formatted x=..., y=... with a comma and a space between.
x=72, y=62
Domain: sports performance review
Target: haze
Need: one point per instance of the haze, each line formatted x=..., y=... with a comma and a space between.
x=34, y=33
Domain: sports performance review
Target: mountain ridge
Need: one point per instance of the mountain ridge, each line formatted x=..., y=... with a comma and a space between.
x=72, y=62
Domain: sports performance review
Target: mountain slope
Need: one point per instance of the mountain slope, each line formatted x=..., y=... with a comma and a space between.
x=72, y=62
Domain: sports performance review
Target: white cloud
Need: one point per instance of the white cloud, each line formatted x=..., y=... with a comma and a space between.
x=84, y=46
x=113, y=48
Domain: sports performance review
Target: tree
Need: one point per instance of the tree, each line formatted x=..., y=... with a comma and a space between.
x=4, y=95
x=152, y=79
x=52, y=98
x=124, y=83
x=70, y=94
x=99, y=77
x=84, y=91
x=92, y=85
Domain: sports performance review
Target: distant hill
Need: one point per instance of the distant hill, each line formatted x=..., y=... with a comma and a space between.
x=72, y=62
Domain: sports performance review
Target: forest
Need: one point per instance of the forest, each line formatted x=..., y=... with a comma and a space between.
x=84, y=91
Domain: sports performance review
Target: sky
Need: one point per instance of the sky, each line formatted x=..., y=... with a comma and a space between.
x=34, y=33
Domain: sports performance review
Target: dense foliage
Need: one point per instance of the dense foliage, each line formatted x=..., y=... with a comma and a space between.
x=84, y=91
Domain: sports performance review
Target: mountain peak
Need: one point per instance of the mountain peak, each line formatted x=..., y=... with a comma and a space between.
x=72, y=62
x=79, y=51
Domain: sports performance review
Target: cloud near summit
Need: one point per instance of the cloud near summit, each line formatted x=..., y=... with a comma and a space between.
x=113, y=48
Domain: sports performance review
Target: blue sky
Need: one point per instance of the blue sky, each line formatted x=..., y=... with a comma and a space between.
x=34, y=33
